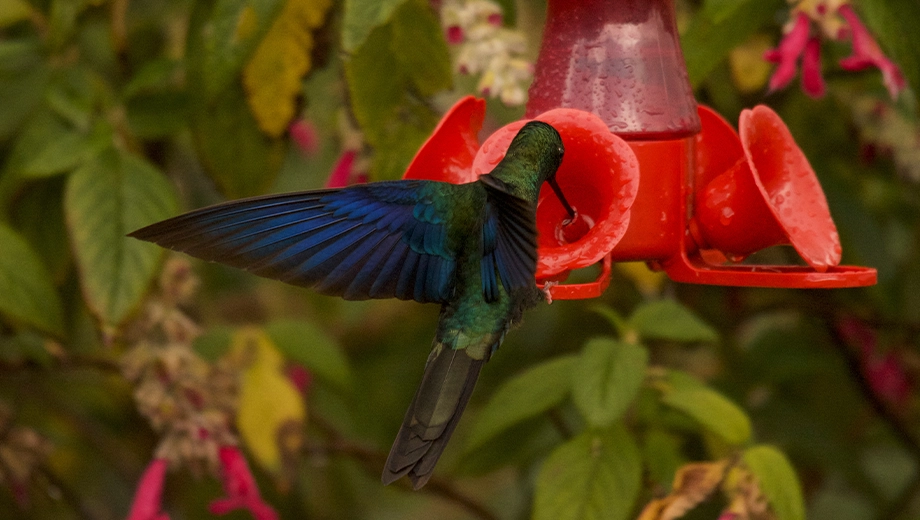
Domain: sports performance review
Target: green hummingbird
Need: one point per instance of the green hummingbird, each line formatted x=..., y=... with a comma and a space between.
x=470, y=247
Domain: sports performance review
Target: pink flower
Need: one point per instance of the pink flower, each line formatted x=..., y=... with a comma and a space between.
x=454, y=34
x=301, y=377
x=147, y=498
x=343, y=173
x=812, y=80
x=798, y=42
x=240, y=487
x=787, y=54
x=866, y=53
x=303, y=133
x=882, y=370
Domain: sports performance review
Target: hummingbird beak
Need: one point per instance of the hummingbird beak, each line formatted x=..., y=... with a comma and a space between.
x=565, y=204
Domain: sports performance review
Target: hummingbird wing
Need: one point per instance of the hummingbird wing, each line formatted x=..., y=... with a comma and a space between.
x=509, y=238
x=380, y=240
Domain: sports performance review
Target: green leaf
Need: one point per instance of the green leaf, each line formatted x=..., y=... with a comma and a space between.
x=153, y=76
x=157, y=115
x=707, y=42
x=385, y=82
x=669, y=320
x=111, y=195
x=59, y=155
x=528, y=394
x=893, y=22
x=616, y=321
x=419, y=45
x=12, y=11
x=26, y=292
x=19, y=55
x=661, y=450
x=594, y=476
x=607, y=379
x=363, y=16
x=241, y=159
x=223, y=36
x=310, y=346
x=777, y=480
x=27, y=88
x=709, y=408
x=213, y=343
x=719, y=10
x=38, y=214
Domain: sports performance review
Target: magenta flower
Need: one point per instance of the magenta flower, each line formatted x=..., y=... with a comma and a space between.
x=787, y=54
x=884, y=371
x=800, y=43
x=343, y=173
x=240, y=487
x=147, y=499
x=867, y=53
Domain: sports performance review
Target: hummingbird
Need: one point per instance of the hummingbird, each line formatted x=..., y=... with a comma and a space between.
x=470, y=247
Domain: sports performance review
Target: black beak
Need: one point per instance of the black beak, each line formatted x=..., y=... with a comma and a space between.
x=565, y=203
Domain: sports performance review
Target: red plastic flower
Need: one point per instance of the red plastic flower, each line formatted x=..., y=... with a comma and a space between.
x=599, y=174
x=800, y=43
x=147, y=498
x=240, y=487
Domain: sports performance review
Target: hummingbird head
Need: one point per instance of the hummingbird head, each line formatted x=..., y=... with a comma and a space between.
x=538, y=147
x=532, y=158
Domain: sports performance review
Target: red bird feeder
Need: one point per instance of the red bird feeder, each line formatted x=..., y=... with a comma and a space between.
x=651, y=176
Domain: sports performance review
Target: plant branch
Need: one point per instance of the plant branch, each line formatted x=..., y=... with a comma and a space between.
x=67, y=363
x=373, y=459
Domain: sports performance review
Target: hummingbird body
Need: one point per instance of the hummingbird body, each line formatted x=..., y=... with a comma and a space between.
x=470, y=247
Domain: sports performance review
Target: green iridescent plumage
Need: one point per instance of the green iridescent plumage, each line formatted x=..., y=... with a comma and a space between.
x=471, y=247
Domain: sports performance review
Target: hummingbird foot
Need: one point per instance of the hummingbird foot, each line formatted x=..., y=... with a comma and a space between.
x=548, y=291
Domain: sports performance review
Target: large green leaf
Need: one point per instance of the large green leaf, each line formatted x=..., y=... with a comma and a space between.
x=385, y=81
x=363, y=16
x=894, y=24
x=26, y=292
x=528, y=394
x=419, y=44
x=710, y=408
x=706, y=42
x=111, y=195
x=594, y=476
x=309, y=345
x=777, y=480
x=669, y=320
x=241, y=159
x=607, y=379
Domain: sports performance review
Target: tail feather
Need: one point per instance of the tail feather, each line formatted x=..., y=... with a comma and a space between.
x=447, y=384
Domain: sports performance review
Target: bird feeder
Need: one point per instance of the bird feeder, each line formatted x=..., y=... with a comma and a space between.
x=651, y=176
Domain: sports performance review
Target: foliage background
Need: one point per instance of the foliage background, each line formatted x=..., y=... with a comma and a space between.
x=115, y=114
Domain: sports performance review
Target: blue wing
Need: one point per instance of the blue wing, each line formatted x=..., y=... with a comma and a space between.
x=509, y=241
x=380, y=240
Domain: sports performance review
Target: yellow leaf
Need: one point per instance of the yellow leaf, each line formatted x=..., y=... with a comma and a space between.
x=693, y=483
x=647, y=281
x=271, y=411
x=272, y=76
x=749, y=70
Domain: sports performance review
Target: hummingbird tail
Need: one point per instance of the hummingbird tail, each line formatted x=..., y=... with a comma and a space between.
x=447, y=384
